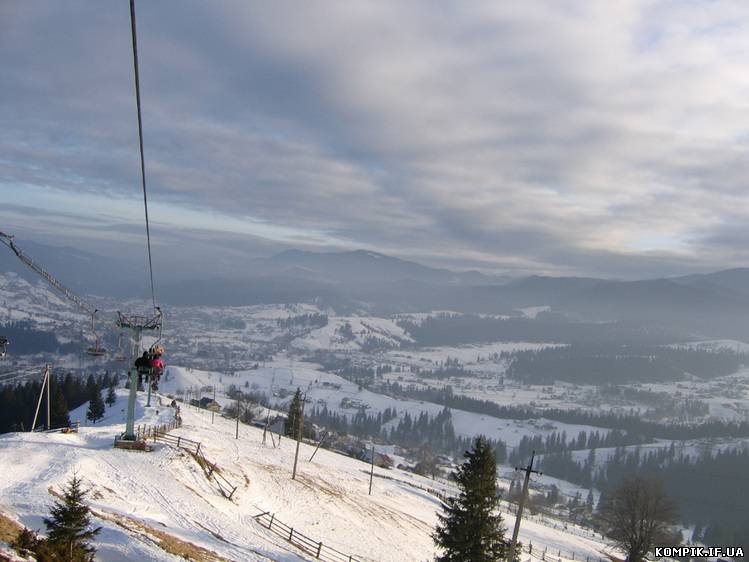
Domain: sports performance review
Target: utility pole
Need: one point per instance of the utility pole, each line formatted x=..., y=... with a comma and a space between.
x=324, y=437
x=45, y=381
x=298, y=436
x=528, y=471
x=49, y=420
x=267, y=419
x=267, y=423
x=213, y=411
x=371, y=470
x=236, y=435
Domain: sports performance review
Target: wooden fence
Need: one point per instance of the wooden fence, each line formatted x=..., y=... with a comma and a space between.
x=303, y=542
x=211, y=470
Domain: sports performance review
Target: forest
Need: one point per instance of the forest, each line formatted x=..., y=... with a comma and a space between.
x=25, y=339
x=607, y=363
x=457, y=329
x=636, y=427
x=706, y=486
x=67, y=392
x=410, y=432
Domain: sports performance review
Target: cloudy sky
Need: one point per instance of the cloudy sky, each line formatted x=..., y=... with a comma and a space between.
x=559, y=137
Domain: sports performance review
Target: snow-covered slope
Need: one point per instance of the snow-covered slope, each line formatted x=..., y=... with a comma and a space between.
x=354, y=333
x=147, y=499
x=340, y=395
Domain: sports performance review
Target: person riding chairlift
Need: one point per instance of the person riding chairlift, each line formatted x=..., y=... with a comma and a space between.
x=143, y=365
x=157, y=366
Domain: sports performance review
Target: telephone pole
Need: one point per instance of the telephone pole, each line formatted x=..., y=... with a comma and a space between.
x=371, y=469
x=299, y=435
x=49, y=420
x=45, y=382
x=528, y=471
x=236, y=435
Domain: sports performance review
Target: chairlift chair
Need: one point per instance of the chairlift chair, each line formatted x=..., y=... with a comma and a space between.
x=96, y=350
x=120, y=355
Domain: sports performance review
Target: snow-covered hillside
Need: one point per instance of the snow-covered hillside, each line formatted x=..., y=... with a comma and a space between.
x=35, y=302
x=341, y=395
x=354, y=333
x=144, y=500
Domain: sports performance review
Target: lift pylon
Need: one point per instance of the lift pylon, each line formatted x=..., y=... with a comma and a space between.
x=136, y=325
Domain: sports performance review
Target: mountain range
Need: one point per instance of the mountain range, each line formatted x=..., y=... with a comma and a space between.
x=361, y=280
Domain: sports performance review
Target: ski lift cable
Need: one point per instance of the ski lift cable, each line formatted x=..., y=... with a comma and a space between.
x=140, y=141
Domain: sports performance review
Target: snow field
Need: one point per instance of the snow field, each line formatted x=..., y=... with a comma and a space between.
x=166, y=490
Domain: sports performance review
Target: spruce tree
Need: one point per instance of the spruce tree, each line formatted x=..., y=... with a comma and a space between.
x=294, y=422
x=471, y=528
x=59, y=409
x=69, y=529
x=96, y=406
x=111, y=396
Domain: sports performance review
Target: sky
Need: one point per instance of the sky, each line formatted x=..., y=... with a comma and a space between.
x=556, y=137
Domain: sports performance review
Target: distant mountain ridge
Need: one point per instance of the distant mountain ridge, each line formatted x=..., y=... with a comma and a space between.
x=715, y=303
x=364, y=266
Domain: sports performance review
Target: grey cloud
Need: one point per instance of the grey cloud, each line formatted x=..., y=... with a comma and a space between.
x=547, y=138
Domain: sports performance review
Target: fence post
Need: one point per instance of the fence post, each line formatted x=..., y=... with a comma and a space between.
x=291, y=534
x=270, y=525
x=178, y=440
x=319, y=548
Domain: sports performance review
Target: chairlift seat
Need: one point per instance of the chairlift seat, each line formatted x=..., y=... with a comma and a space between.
x=96, y=351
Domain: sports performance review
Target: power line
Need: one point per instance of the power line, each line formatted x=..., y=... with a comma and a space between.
x=140, y=140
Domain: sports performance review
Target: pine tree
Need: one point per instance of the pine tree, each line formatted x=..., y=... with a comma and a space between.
x=471, y=528
x=59, y=409
x=111, y=396
x=69, y=529
x=26, y=542
x=294, y=422
x=96, y=406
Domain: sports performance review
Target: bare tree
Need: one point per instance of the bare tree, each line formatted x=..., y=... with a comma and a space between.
x=638, y=516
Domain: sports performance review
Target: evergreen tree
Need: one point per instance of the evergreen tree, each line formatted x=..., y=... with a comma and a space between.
x=69, y=529
x=59, y=413
x=294, y=420
x=26, y=542
x=111, y=397
x=96, y=406
x=471, y=528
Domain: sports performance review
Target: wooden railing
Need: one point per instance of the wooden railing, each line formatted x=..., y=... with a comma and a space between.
x=302, y=541
x=211, y=470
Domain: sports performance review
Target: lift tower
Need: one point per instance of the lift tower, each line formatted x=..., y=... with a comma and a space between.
x=136, y=325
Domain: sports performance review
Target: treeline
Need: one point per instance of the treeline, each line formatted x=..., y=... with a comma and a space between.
x=456, y=329
x=705, y=486
x=612, y=363
x=663, y=404
x=362, y=375
x=557, y=442
x=18, y=401
x=311, y=320
x=26, y=340
x=410, y=432
x=634, y=425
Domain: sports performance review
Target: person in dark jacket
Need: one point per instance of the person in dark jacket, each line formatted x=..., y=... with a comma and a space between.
x=143, y=365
